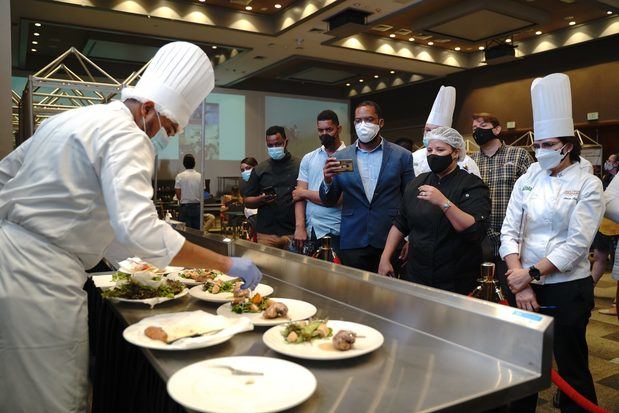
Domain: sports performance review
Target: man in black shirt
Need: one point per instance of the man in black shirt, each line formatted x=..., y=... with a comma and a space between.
x=270, y=189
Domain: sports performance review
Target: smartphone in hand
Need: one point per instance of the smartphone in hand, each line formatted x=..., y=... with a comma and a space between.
x=269, y=191
x=347, y=165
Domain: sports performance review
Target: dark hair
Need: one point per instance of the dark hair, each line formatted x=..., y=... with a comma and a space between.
x=379, y=111
x=250, y=161
x=575, y=152
x=189, y=162
x=488, y=117
x=274, y=130
x=328, y=115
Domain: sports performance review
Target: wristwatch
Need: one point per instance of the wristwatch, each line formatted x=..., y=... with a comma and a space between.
x=446, y=205
x=534, y=273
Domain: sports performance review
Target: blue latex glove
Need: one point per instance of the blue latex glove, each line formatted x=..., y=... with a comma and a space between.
x=245, y=269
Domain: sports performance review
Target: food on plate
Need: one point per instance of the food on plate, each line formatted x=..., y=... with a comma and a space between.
x=343, y=340
x=306, y=331
x=135, y=264
x=199, y=274
x=243, y=302
x=142, y=285
x=156, y=333
x=219, y=286
x=275, y=310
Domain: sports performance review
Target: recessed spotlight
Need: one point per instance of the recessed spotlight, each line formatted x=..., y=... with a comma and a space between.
x=375, y=76
x=213, y=47
x=392, y=35
x=430, y=43
x=36, y=34
x=411, y=39
x=360, y=80
x=35, y=42
x=572, y=23
x=538, y=32
x=39, y=24
x=201, y=1
x=392, y=72
x=248, y=8
x=278, y=6
x=481, y=47
x=508, y=40
x=347, y=84
x=457, y=49
x=33, y=50
x=609, y=12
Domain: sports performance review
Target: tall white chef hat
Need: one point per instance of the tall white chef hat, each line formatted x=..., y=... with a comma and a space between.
x=178, y=79
x=551, y=98
x=443, y=108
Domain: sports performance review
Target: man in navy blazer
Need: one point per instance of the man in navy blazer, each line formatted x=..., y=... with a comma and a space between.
x=372, y=191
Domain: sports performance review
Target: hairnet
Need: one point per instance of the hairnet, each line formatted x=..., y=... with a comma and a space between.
x=450, y=136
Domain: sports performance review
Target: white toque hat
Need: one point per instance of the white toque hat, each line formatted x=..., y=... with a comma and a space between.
x=443, y=108
x=177, y=79
x=551, y=98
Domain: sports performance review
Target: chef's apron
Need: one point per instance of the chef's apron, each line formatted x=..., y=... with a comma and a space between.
x=43, y=325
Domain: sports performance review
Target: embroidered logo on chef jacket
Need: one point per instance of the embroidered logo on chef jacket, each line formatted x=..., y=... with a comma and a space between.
x=527, y=188
x=573, y=194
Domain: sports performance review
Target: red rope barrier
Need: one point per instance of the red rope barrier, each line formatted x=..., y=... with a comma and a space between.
x=578, y=398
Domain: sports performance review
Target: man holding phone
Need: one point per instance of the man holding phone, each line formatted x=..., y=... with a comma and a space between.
x=309, y=210
x=269, y=190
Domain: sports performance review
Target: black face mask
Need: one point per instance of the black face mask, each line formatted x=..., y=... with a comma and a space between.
x=327, y=140
x=439, y=163
x=483, y=136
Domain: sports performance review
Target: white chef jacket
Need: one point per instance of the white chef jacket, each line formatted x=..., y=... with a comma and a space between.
x=192, y=188
x=586, y=165
x=554, y=218
x=420, y=163
x=86, y=178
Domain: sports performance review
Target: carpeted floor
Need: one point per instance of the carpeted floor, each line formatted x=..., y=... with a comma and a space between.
x=603, y=340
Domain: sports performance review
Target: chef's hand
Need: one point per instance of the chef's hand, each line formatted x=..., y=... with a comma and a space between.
x=298, y=194
x=526, y=299
x=404, y=253
x=246, y=270
x=300, y=235
x=332, y=168
x=517, y=279
x=432, y=195
x=385, y=267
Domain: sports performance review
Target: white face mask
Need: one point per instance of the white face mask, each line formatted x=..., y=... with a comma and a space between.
x=161, y=139
x=549, y=158
x=366, y=131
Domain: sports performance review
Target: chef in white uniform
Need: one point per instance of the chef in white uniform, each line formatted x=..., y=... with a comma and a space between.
x=553, y=214
x=441, y=115
x=82, y=179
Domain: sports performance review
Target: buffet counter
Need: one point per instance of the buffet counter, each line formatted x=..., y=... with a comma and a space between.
x=442, y=351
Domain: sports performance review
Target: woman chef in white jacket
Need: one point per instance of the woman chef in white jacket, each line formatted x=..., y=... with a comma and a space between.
x=553, y=214
x=82, y=179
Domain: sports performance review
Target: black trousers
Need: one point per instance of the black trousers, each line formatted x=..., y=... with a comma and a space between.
x=190, y=215
x=574, y=302
x=366, y=258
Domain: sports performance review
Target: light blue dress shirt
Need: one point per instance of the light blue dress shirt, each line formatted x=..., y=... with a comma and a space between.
x=369, y=164
x=323, y=220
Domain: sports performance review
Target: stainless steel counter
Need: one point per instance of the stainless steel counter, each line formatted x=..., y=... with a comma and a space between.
x=442, y=351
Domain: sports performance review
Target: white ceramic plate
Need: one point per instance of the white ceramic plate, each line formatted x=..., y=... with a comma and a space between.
x=322, y=349
x=183, y=323
x=262, y=289
x=204, y=387
x=191, y=282
x=151, y=301
x=297, y=310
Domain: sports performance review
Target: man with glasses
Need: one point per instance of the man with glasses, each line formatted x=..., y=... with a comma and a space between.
x=372, y=190
x=500, y=166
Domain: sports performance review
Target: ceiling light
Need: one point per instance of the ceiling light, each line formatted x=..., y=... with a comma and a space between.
x=347, y=84
x=248, y=8
x=33, y=50
x=572, y=23
x=360, y=80
x=609, y=12
x=392, y=72
x=278, y=6
x=411, y=39
x=39, y=24
x=430, y=43
x=35, y=42
x=392, y=35
x=375, y=76
x=481, y=47
x=36, y=34
x=201, y=1
x=457, y=49
x=508, y=40
x=213, y=47
x=538, y=32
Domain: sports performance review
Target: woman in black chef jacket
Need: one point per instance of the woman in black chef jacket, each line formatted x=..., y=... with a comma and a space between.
x=445, y=214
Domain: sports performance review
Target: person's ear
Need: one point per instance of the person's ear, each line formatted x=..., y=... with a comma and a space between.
x=496, y=130
x=338, y=129
x=381, y=123
x=568, y=148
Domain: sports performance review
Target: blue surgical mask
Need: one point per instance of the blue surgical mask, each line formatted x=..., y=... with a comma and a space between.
x=426, y=141
x=160, y=140
x=246, y=174
x=277, y=152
